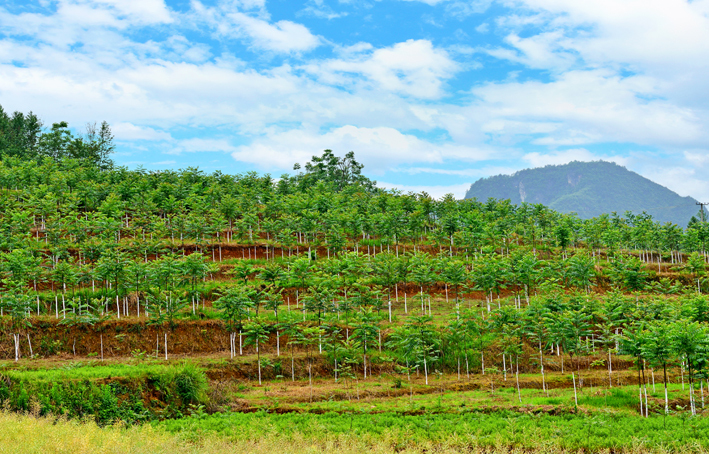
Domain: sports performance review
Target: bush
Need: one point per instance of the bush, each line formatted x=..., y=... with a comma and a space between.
x=180, y=387
x=190, y=384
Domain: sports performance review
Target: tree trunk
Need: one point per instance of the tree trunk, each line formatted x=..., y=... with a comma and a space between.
x=667, y=402
x=16, y=338
x=573, y=379
x=610, y=370
x=541, y=366
x=519, y=393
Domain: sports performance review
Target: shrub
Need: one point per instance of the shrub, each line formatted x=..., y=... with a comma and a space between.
x=190, y=384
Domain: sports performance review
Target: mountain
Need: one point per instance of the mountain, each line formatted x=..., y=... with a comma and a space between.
x=588, y=189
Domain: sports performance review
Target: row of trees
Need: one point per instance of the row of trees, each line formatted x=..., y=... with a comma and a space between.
x=70, y=204
x=589, y=332
x=377, y=279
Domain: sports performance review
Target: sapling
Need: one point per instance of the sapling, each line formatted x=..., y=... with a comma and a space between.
x=256, y=334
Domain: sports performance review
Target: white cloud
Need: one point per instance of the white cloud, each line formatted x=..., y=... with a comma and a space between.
x=437, y=192
x=473, y=172
x=377, y=148
x=198, y=144
x=319, y=9
x=536, y=159
x=145, y=11
x=685, y=178
x=428, y=2
x=653, y=33
x=461, y=9
x=229, y=21
x=413, y=68
x=282, y=36
x=537, y=51
x=590, y=107
x=129, y=131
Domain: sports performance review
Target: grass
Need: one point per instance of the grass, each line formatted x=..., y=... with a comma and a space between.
x=23, y=434
x=446, y=416
x=87, y=370
x=474, y=431
x=383, y=433
x=27, y=434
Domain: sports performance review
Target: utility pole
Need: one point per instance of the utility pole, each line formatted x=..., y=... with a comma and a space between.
x=701, y=209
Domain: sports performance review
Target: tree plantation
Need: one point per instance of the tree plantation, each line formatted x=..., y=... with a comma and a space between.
x=184, y=299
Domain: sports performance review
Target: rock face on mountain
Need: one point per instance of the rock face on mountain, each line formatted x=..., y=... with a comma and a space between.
x=588, y=189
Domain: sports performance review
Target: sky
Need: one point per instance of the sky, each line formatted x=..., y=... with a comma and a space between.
x=431, y=95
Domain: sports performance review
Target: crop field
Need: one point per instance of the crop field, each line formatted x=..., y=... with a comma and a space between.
x=187, y=312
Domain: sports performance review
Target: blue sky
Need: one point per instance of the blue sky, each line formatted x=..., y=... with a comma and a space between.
x=429, y=94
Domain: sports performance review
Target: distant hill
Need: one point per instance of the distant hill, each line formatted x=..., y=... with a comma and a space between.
x=589, y=189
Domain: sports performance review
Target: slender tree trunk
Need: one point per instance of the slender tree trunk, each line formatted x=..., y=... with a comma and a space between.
x=16, y=338
x=610, y=370
x=541, y=366
x=640, y=392
x=258, y=357
x=519, y=393
x=573, y=379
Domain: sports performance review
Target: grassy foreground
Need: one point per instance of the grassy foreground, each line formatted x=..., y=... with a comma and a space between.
x=22, y=434
x=267, y=433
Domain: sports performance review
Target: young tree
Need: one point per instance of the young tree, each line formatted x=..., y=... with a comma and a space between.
x=455, y=274
x=696, y=266
x=18, y=305
x=293, y=331
x=658, y=348
x=256, y=333
x=365, y=333
x=234, y=304
x=169, y=305
x=424, y=339
x=194, y=268
x=632, y=343
x=535, y=321
x=690, y=343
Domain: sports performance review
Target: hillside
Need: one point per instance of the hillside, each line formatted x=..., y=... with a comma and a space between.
x=589, y=189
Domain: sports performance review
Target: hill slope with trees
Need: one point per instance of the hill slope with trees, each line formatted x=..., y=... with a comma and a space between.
x=588, y=189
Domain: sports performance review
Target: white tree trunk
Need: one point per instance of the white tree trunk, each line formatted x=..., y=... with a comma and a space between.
x=576, y=399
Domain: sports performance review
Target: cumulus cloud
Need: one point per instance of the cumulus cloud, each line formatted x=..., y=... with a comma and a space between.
x=413, y=68
x=378, y=148
x=228, y=20
x=129, y=131
x=592, y=106
x=536, y=159
x=435, y=191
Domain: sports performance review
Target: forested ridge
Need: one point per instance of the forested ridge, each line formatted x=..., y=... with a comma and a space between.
x=329, y=277
x=589, y=189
